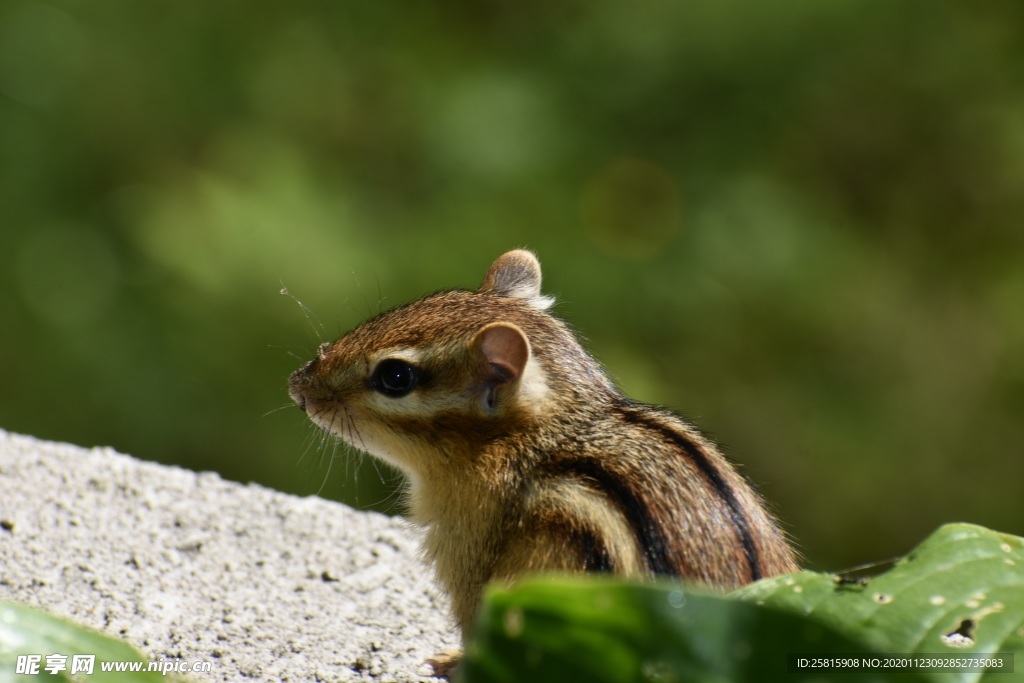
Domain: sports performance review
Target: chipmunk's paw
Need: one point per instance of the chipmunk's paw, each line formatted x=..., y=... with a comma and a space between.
x=444, y=662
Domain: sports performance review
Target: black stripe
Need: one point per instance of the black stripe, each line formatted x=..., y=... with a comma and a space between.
x=649, y=533
x=595, y=553
x=700, y=459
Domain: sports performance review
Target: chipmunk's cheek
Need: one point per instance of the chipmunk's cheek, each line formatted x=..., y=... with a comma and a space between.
x=350, y=425
x=385, y=443
x=533, y=387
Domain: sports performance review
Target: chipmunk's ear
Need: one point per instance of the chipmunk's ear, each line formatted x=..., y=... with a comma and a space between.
x=504, y=354
x=505, y=351
x=517, y=274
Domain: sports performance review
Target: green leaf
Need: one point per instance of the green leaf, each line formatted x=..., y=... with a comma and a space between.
x=604, y=630
x=963, y=579
x=26, y=631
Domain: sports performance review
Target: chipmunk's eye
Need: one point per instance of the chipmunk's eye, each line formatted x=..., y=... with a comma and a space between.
x=395, y=378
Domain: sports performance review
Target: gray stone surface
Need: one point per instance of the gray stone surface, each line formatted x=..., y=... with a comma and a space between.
x=266, y=586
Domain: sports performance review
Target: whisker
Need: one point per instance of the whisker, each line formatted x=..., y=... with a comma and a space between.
x=330, y=465
x=311, y=439
x=359, y=286
x=353, y=430
x=393, y=499
x=285, y=406
x=380, y=295
x=326, y=436
x=311, y=317
x=357, y=447
x=376, y=467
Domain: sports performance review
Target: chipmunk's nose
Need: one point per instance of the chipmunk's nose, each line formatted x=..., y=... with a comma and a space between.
x=298, y=383
x=297, y=396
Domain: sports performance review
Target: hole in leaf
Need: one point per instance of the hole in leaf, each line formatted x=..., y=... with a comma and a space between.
x=962, y=635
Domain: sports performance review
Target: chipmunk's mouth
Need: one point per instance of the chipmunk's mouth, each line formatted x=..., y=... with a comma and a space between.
x=310, y=394
x=318, y=409
x=324, y=412
x=300, y=395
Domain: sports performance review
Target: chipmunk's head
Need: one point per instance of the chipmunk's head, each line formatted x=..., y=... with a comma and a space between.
x=429, y=382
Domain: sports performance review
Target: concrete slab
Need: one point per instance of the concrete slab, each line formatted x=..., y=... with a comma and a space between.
x=186, y=565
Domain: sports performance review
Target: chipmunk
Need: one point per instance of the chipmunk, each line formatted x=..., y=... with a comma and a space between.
x=521, y=454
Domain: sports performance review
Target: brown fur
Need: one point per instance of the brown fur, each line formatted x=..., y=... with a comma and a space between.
x=523, y=457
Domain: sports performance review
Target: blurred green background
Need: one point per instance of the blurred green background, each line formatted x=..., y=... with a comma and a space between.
x=799, y=223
